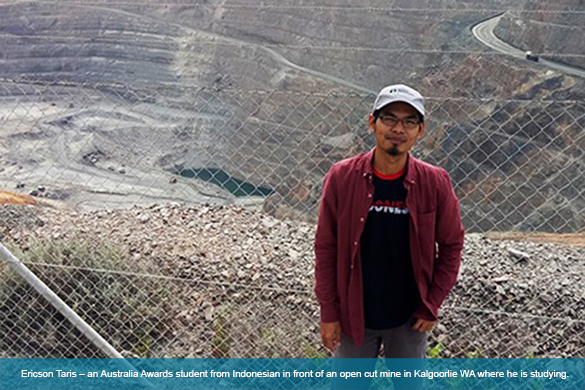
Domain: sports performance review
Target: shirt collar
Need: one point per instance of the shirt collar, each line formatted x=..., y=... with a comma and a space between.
x=366, y=167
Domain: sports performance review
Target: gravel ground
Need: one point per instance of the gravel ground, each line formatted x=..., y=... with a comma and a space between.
x=239, y=283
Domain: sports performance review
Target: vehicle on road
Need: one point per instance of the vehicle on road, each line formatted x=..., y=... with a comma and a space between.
x=530, y=56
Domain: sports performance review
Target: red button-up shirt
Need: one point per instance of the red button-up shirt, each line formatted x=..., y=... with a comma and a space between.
x=436, y=239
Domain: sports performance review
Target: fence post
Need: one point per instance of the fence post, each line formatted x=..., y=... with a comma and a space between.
x=86, y=329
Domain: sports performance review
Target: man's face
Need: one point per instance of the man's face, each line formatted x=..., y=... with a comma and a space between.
x=395, y=128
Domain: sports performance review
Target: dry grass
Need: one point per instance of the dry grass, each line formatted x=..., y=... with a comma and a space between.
x=12, y=198
x=568, y=239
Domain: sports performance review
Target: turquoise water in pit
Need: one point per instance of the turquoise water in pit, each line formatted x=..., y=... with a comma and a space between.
x=221, y=178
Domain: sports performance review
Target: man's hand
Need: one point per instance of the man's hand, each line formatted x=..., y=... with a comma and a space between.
x=331, y=335
x=421, y=325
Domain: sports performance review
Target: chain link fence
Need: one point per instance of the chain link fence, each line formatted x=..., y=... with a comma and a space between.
x=147, y=220
x=515, y=164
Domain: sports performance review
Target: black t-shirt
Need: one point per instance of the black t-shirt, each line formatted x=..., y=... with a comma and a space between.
x=390, y=292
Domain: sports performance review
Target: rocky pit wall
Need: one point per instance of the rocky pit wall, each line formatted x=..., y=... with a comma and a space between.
x=217, y=281
x=213, y=87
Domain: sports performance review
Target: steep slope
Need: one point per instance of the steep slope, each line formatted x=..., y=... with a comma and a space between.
x=554, y=28
x=106, y=102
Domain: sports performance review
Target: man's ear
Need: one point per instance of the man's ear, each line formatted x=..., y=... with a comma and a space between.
x=371, y=123
x=421, y=131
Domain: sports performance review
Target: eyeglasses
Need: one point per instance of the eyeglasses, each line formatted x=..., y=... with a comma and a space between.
x=392, y=121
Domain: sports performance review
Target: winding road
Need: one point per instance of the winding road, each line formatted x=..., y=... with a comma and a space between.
x=484, y=32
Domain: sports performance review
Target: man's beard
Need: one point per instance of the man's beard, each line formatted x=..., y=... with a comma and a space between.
x=393, y=150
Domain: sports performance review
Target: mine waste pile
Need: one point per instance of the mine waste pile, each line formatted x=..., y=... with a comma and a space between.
x=222, y=281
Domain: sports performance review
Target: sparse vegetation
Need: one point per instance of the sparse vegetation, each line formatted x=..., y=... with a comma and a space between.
x=220, y=342
x=436, y=350
x=94, y=280
x=143, y=315
x=314, y=351
x=177, y=281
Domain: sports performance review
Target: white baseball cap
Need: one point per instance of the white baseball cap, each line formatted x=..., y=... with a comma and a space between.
x=399, y=93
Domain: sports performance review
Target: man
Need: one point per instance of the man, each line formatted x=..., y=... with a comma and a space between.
x=389, y=239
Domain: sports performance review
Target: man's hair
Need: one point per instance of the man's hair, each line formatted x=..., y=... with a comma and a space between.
x=421, y=118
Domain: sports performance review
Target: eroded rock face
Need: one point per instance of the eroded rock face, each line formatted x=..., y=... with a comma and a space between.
x=547, y=27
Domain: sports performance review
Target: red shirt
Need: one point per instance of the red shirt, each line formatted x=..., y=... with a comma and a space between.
x=436, y=239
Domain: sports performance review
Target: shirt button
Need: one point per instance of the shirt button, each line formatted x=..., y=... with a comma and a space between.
x=355, y=243
x=362, y=219
x=369, y=195
x=351, y=266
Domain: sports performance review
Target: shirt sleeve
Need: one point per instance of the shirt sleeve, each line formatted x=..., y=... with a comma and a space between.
x=449, y=236
x=326, y=251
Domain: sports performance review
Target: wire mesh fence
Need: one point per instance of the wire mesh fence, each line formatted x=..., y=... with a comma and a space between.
x=515, y=164
x=200, y=279
x=220, y=281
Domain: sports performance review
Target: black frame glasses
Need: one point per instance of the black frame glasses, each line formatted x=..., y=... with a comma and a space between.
x=407, y=123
